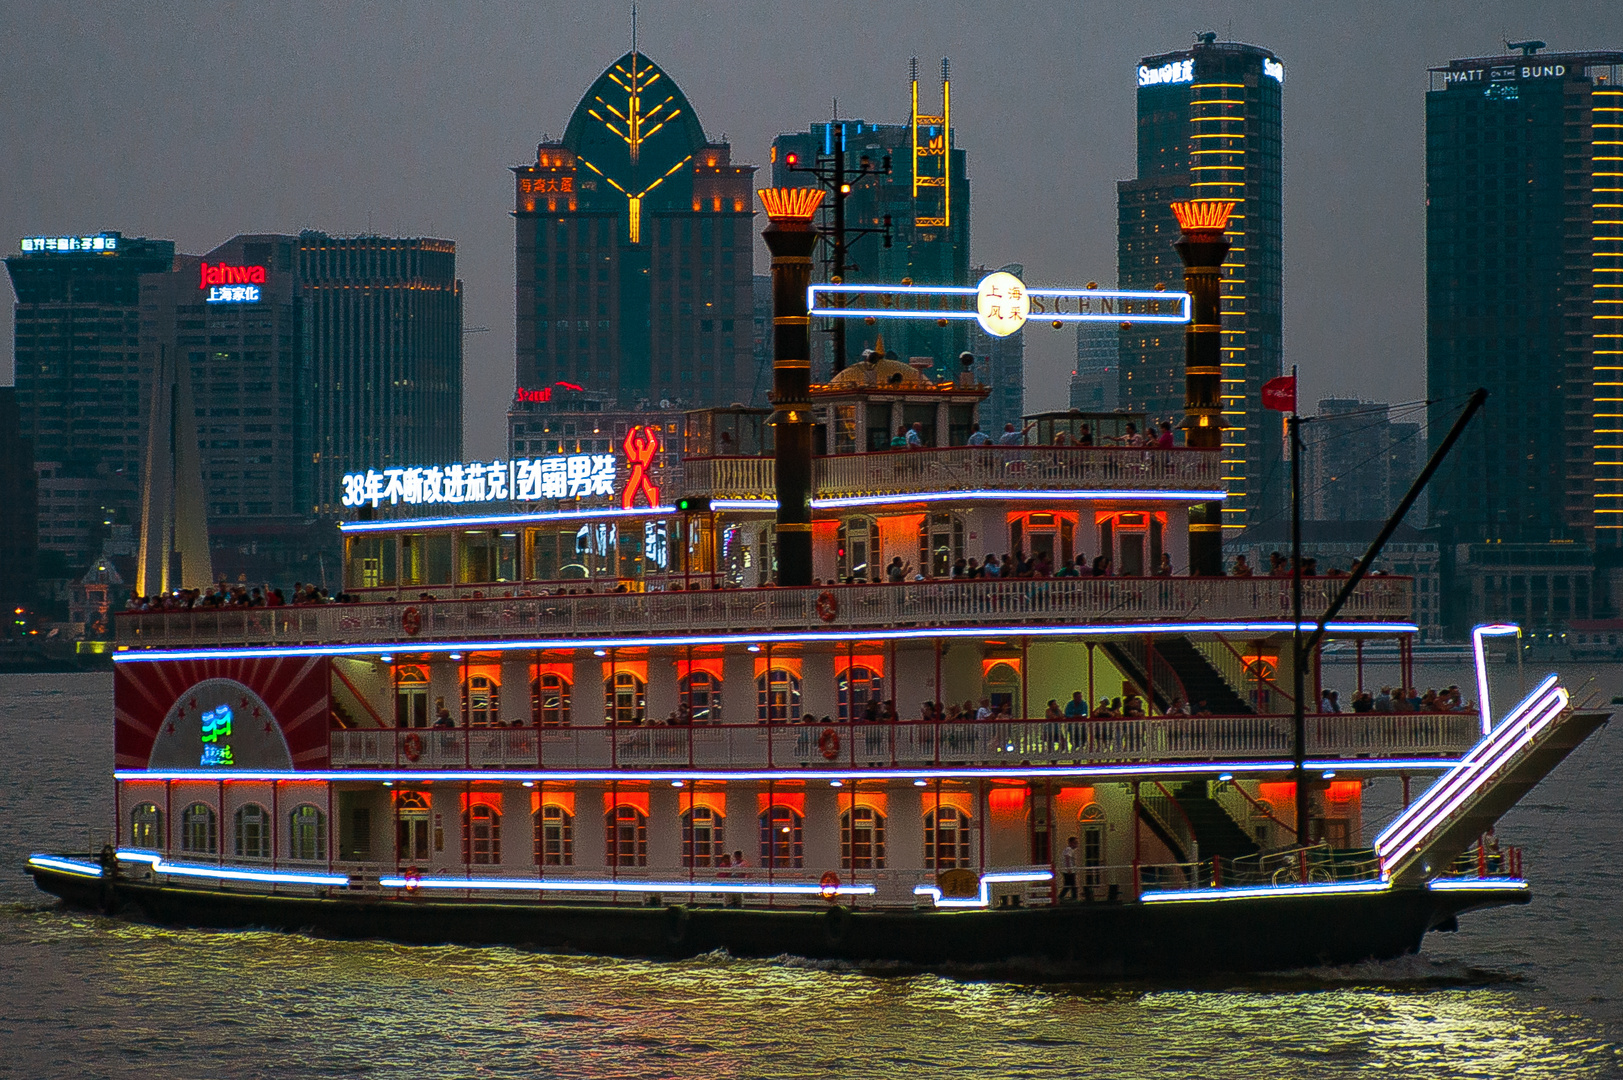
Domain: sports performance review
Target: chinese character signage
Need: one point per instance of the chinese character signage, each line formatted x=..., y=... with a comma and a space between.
x=216, y=729
x=231, y=284
x=101, y=243
x=566, y=476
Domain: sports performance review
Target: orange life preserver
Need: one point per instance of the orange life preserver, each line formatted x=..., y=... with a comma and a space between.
x=828, y=605
x=829, y=886
x=412, y=746
x=829, y=743
x=411, y=620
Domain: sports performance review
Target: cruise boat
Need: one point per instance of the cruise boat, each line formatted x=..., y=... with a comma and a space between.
x=618, y=707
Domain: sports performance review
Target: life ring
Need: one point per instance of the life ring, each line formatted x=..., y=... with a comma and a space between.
x=412, y=746
x=829, y=743
x=829, y=885
x=828, y=605
x=414, y=878
x=411, y=621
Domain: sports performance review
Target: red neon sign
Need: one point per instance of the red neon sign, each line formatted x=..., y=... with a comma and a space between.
x=641, y=444
x=223, y=274
x=544, y=394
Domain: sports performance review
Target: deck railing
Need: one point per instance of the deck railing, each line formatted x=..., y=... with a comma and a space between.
x=967, y=468
x=978, y=602
x=908, y=744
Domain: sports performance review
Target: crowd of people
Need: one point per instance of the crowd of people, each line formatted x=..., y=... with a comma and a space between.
x=222, y=595
x=1400, y=699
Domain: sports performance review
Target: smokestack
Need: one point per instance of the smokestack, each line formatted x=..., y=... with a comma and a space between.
x=1202, y=249
x=790, y=239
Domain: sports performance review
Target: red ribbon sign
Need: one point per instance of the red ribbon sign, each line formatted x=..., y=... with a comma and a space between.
x=641, y=444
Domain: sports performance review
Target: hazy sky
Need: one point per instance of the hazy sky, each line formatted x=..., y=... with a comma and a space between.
x=199, y=121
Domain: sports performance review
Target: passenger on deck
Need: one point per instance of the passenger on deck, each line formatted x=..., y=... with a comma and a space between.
x=1241, y=567
x=1076, y=707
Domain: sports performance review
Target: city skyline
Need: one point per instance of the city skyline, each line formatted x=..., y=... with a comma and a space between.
x=433, y=160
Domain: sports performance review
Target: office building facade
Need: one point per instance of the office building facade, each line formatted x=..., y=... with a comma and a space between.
x=19, y=525
x=1524, y=291
x=635, y=250
x=78, y=384
x=1358, y=461
x=383, y=318
x=1096, y=380
x=926, y=198
x=1209, y=127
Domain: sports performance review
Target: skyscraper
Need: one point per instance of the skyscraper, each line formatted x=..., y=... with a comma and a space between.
x=1096, y=382
x=383, y=317
x=1209, y=128
x=926, y=199
x=1358, y=462
x=634, y=249
x=19, y=525
x=77, y=347
x=1524, y=292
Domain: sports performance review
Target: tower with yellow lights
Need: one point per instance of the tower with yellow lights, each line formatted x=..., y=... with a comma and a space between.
x=635, y=257
x=1209, y=128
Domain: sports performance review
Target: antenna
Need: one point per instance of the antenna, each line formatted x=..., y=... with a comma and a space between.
x=944, y=77
x=633, y=29
x=913, y=69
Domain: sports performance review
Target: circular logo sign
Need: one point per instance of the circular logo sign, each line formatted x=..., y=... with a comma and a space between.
x=1001, y=304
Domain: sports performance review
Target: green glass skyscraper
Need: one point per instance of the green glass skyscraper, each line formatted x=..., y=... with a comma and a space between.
x=1524, y=294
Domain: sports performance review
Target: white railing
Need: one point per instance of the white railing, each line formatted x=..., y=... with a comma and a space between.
x=907, y=744
x=967, y=468
x=978, y=602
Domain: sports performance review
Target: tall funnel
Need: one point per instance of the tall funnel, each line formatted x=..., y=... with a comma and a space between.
x=790, y=239
x=1202, y=248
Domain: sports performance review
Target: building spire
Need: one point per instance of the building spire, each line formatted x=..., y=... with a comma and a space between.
x=633, y=31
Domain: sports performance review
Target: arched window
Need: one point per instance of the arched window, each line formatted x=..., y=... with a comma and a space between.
x=549, y=700
x=703, y=837
x=198, y=829
x=306, y=834
x=627, y=836
x=252, y=832
x=146, y=826
x=482, y=701
x=554, y=836
x=1091, y=827
x=862, y=839
x=858, y=555
x=701, y=697
x=777, y=696
x=625, y=698
x=941, y=543
x=1003, y=688
x=781, y=842
x=411, y=817
x=410, y=697
x=859, y=685
x=946, y=838
x=482, y=835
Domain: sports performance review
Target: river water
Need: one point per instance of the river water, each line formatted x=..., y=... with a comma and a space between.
x=1529, y=992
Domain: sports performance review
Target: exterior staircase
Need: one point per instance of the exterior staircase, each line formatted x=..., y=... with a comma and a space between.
x=1218, y=834
x=1173, y=667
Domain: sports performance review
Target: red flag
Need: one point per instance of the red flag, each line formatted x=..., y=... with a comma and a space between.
x=1280, y=394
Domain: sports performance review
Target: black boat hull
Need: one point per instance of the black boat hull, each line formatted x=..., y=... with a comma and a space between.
x=1084, y=940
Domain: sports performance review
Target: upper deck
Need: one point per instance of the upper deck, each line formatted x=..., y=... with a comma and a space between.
x=1052, y=602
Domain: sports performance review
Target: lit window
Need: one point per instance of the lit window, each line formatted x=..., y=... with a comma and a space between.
x=198, y=829
x=701, y=697
x=777, y=696
x=781, y=840
x=481, y=700
x=703, y=837
x=625, y=698
x=482, y=835
x=862, y=839
x=946, y=838
x=307, y=834
x=554, y=836
x=252, y=832
x=146, y=826
x=549, y=700
x=627, y=836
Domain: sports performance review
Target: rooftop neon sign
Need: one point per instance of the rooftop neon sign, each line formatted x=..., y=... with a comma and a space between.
x=101, y=244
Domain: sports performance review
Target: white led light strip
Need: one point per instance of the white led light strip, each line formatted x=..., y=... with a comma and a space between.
x=985, y=897
x=232, y=873
x=1195, y=896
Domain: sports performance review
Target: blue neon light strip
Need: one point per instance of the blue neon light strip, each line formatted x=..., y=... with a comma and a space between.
x=1487, y=884
x=560, y=885
x=140, y=656
x=1193, y=768
x=814, y=308
x=1263, y=892
x=985, y=897
x=508, y=519
x=232, y=873
x=65, y=866
x=1478, y=633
